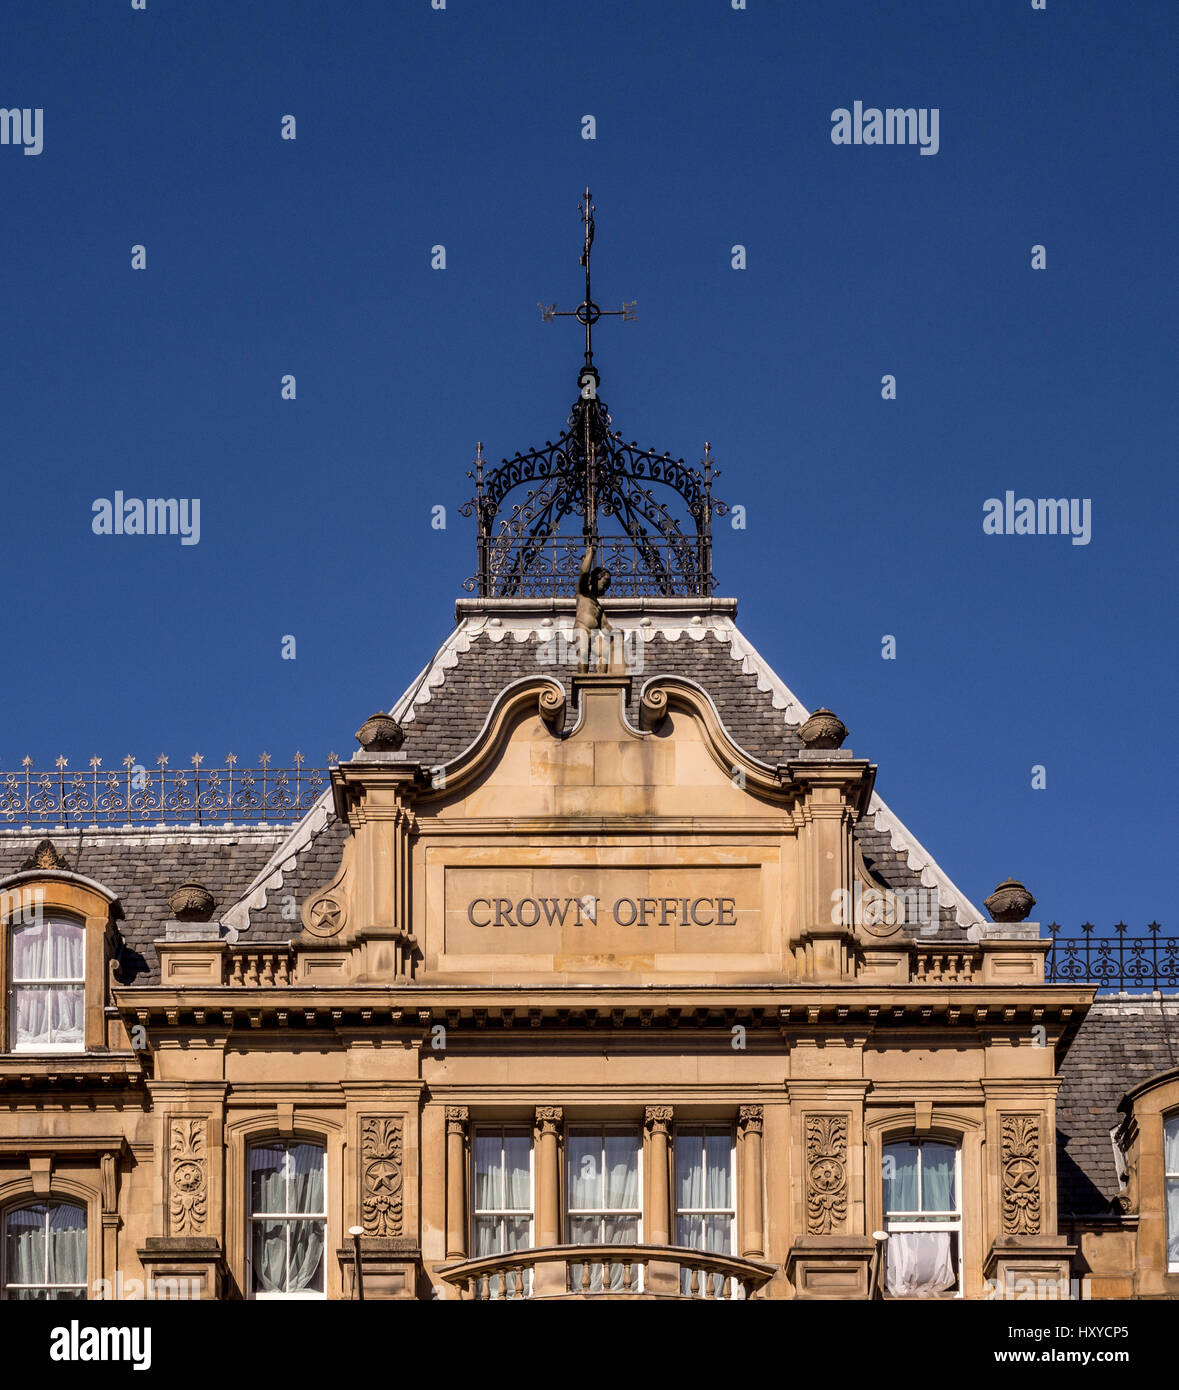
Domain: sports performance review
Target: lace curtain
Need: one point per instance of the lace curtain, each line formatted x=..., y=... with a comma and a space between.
x=48, y=1013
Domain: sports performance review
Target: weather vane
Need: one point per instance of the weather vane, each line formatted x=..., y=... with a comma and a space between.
x=587, y=312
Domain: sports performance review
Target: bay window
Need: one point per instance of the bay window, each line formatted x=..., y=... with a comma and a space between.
x=288, y=1220
x=45, y=1252
x=923, y=1217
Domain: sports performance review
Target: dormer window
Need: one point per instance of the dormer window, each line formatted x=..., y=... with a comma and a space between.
x=47, y=986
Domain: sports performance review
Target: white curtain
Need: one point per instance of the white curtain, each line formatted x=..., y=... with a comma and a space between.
x=603, y=1177
x=502, y=1183
x=1171, y=1166
x=900, y=1177
x=920, y=1262
x=43, y=1251
x=288, y=1254
x=44, y=951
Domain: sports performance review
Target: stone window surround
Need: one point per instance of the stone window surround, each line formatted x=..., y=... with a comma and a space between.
x=1147, y=1108
x=967, y=1135
x=59, y=893
x=244, y=1133
x=23, y=1191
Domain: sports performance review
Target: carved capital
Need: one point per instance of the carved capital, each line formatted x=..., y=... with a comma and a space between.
x=381, y=1174
x=548, y=1119
x=826, y=1174
x=1020, y=1162
x=749, y=1119
x=458, y=1117
x=658, y=1118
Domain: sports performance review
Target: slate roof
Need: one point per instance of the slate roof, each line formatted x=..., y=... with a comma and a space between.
x=143, y=867
x=1121, y=1042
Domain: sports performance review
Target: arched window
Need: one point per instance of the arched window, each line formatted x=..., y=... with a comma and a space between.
x=923, y=1217
x=45, y=1251
x=48, y=981
x=1171, y=1168
x=288, y=1220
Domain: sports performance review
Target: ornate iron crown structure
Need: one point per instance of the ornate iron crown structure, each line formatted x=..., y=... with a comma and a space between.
x=585, y=475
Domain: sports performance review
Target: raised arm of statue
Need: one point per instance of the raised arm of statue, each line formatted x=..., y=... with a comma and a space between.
x=587, y=568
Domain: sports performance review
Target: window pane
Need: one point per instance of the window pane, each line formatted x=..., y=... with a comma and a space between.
x=488, y=1171
x=24, y=1246
x=585, y=1172
x=517, y=1233
x=585, y=1230
x=622, y=1172
x=65, y=950
x=517, y=1166
x=267, y=1179
x=487, y=1236
x=1171, y=1146
x=1173, y=1221
x=65, y=1015
x=32, y=1016
x=305, y=1271
x=900, y=1177
x=30, y=952
x=67, y=1245
x=937, y=1177
x=620, y=1230
x=305, y=1190
x=717, y=1150
x=689, y=1170
x=689, y=1232
x=270, y=1256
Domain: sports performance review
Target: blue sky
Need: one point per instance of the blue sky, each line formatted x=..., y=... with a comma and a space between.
x=462, y=127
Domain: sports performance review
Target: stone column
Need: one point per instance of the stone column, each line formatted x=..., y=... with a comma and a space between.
x=658, y=1120
x=752, y=1213
x=457, y=1117
x=548, y=1177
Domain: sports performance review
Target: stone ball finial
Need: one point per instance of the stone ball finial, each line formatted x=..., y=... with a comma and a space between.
x=823, y=730
x=192, y=902
x=1010, y=902
x=380, y=733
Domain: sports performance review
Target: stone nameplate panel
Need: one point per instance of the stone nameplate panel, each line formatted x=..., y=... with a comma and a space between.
x=594, y=910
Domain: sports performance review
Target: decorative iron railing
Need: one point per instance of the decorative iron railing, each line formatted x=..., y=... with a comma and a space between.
x=138, y=796
x=1117, y=961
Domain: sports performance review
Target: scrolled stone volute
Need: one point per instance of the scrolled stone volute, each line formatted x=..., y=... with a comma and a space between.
x=192, y=902
x=823, y=730
x=551, y=706
x=652, y=708
x=380, y=733
x=1010, y=902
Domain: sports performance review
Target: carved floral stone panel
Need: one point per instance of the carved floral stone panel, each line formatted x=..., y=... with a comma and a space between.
x=381, y=1174
x=188, y=1176
x=826, y=1174
x=1019, y=1157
